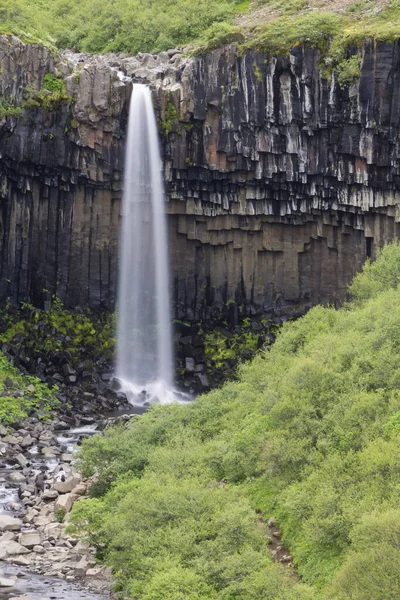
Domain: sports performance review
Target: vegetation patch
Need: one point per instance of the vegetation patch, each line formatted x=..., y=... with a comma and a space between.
x=21, y=396
x=225, y=349
x=59, y=332
x=52, y=94
x=218, y=34
x=8, y=110
x=309, y=434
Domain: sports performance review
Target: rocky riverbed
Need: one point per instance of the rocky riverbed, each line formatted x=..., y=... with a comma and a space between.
x=32, y=528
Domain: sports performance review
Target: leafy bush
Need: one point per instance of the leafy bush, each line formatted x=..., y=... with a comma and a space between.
x=52, y=93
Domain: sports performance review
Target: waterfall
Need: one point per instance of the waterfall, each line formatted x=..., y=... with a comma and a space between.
x=144, y=340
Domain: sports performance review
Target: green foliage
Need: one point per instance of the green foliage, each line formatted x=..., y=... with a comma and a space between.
x=52, y=93
x=133, y=25
x=349, y=70
x=311, y=28
x=23, y=395
x=169, y=118
x=309, y=433
x=225, y=349
x=8, y=110
x=378, y=276
x=26, y=20
x=84, y=336
x=218, y=34
x=60, y=515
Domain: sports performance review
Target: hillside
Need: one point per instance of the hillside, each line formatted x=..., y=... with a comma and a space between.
x=309, y=435
x=134, y=26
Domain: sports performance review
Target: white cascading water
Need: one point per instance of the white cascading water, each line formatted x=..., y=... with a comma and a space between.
x=144, y=339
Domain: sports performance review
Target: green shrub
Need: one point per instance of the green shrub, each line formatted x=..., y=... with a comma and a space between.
x=52, y=94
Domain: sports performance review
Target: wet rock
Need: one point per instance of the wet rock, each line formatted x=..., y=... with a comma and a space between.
x=21, y=460
x=190, y=364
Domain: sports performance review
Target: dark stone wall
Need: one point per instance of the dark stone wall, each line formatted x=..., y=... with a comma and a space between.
x=279, y=182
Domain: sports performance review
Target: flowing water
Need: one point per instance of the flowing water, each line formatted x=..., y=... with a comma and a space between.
x=144, y=341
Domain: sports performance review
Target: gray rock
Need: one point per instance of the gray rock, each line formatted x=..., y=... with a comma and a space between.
x=29, y=539
x=64, y=502
x=21, y=460
x=13, y=548
x=7, y=581
x=16, y=477
x=67, y=486
x=8, y=523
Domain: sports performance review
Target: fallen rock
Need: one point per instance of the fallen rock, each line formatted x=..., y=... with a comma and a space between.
x=16, y=477
x=79, y=490
x=29, y=539
x=10, y=523
x=67, y=486
x=22, y=461
x=20, y=561
x=7, y=581
x=12, y=549
x=50, y=495
x=64, y=502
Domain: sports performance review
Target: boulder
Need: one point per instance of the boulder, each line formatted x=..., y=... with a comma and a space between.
x=79, y=490
x=66, y=457
x=16, y=477
x=7, y=581
x=63, y=487
x=8, y=523
x=50, y=495
x=64, y=502
x=29, y=539
x=22, y=461
x=12, y=548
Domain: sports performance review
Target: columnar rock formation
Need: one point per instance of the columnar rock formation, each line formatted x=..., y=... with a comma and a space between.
x=280, y=182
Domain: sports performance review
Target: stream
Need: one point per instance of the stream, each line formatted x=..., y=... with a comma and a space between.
x=27, y=584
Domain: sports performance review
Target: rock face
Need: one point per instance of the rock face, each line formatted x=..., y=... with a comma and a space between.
x=279, y=182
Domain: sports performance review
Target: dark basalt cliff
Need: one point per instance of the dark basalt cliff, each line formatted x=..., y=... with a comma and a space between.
x=279, y=182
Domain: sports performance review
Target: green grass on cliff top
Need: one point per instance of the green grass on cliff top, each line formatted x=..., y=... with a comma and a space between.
x=134, y=26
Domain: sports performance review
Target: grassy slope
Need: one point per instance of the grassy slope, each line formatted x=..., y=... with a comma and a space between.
x=151, y=26
x=310, y=433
